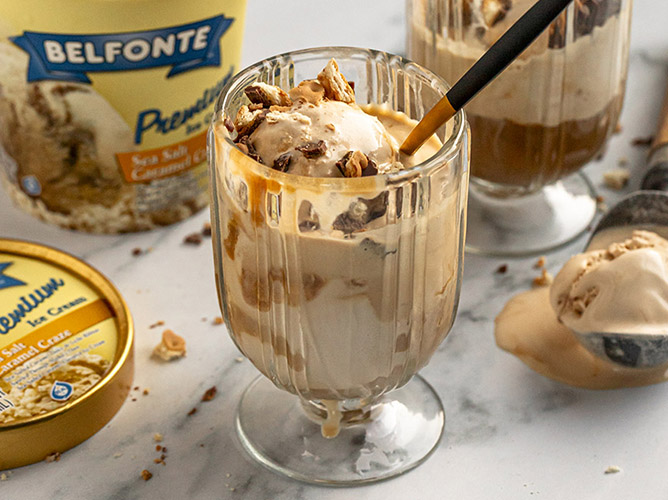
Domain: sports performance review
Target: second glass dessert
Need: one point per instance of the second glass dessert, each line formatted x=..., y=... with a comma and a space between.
x=548, y=114
x=338, y=271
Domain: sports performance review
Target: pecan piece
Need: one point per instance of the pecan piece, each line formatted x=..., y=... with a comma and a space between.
x=282, y=162
x=247, y=148
x=247, y=121
x=352, y=164
x=336, y=86
x=267, y=95
x=313, y=149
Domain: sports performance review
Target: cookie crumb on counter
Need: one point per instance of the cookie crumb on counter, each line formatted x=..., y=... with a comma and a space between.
x=146, y=475
x=642, y=141
x=210, y=393
x=172, y=346
x=616, y=178
x=157, y=437
x=540, y=263
x=613, y=469
x=193, y=239
x=545, y=279
x=218, y=320
x=157, y=324
x=52, y=457
x=502, y=269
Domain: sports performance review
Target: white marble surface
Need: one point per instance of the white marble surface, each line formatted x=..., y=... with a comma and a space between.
x=510, y=433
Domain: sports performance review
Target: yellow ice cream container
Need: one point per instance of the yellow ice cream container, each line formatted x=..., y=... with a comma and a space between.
x=104, y=106
x=66, y=352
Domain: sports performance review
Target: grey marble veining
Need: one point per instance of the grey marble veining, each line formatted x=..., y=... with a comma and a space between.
x=510, y=433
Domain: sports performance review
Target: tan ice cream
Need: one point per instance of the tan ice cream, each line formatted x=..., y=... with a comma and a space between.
x=333, y=293
x=622, y=288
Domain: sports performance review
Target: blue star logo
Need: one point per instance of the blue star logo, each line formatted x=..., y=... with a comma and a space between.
x=8, y=281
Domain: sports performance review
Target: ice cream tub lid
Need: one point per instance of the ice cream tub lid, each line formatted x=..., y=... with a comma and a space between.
x=66, y=352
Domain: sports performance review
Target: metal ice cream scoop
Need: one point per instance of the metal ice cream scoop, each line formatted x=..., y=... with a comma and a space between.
x=646, y=209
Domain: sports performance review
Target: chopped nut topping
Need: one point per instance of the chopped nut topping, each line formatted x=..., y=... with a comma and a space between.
x=210, y=394
x=282, y=162
x=171, y=347
x=248, y=149
x=146, y=475
x=247, y=121
x=336, y=86
x=137, y=252
x=502, y=269
x=352, y=164
x=313, y=149
x=616, y=178
x=267, y=95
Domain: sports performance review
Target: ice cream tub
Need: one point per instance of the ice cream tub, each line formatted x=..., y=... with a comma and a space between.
x=104, y=106
x=66, y=352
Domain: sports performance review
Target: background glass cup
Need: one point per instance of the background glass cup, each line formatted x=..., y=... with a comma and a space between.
x=548, y=114
x=339, y=290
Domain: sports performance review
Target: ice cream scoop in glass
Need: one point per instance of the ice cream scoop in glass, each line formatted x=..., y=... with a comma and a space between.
x=338, y=261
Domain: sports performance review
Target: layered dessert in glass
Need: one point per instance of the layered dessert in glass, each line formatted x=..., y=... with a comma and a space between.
x=338, y=260
x=552, y=110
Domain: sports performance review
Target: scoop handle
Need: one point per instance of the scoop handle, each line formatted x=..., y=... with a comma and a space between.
x=656, y=178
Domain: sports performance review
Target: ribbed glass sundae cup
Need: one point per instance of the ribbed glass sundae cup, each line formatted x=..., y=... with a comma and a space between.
x=339, y=289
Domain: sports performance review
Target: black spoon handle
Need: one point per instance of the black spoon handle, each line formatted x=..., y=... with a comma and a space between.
x=518, y=37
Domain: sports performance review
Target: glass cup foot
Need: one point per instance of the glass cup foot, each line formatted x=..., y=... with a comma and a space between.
x=532, y=224
x=405, y=426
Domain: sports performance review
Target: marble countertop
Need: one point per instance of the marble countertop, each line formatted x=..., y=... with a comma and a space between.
x=510, y=433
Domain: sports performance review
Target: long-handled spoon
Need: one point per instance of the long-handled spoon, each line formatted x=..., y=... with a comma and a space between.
x=517, y=38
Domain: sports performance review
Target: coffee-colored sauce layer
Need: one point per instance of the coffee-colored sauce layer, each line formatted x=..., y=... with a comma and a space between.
x=528, y=328
x=533, y=155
